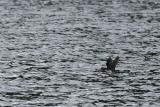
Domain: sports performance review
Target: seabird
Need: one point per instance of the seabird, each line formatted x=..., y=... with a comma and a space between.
x=111, y=64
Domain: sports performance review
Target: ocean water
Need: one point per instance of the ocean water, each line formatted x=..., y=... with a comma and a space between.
x=53, y=53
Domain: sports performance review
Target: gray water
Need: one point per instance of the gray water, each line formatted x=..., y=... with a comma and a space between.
x=53, y=53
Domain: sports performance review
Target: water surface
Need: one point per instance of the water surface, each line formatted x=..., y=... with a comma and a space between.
x=53, y=53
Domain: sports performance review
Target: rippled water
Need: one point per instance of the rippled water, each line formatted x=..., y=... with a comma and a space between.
x=53, y=53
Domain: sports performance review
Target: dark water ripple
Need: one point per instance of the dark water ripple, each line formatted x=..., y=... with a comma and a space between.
x=53, y=52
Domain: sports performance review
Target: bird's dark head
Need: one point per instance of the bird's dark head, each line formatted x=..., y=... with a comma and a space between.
x=108, y=63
